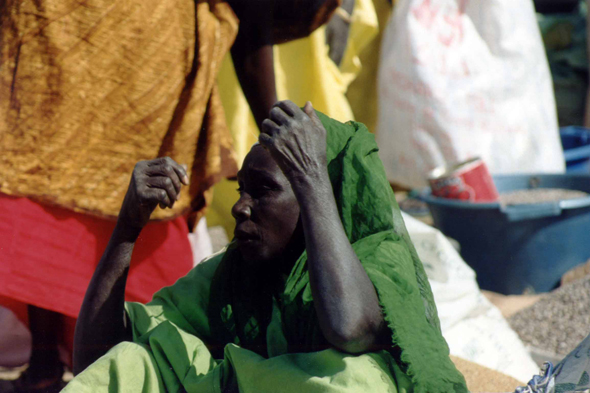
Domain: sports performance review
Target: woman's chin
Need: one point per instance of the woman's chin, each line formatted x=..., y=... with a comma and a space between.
x=249, y=251
x=255, y=254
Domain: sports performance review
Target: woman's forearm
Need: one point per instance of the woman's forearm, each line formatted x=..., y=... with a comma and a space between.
x=101, y=322
x=345, y=299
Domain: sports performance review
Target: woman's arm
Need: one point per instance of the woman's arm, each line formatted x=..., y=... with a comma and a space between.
x=102, y=322
x=345, y=299
x=252, y=54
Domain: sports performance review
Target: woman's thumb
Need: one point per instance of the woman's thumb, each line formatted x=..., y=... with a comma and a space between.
x=309, y=111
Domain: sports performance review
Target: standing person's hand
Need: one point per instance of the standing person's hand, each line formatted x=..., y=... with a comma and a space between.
x=296, y=140
x=155, y=182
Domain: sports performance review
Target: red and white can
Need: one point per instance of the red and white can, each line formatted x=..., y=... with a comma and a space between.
x=468, y=181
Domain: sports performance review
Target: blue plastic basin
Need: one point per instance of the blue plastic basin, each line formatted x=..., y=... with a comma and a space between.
x=521, y=247
x=576, y=148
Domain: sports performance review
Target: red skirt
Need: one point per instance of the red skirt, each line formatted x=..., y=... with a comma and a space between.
x=48, y=255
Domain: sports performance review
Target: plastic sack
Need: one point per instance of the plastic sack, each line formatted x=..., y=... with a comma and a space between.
x=473, y=327
x=461, y=79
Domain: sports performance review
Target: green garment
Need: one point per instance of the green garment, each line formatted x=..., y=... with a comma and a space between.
x=274, y=344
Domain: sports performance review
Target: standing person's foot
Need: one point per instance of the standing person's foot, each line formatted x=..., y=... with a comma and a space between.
x=40, y=380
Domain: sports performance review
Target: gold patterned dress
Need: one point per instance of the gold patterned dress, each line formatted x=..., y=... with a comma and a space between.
x=87, y=89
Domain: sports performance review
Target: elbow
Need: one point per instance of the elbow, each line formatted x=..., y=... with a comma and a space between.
x=354, y=340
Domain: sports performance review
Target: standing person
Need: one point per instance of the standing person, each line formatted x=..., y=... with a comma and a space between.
x=87, y=90
x=306, y=59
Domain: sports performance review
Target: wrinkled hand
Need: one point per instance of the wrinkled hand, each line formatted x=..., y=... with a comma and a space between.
x=296, y=139
x=155, y=182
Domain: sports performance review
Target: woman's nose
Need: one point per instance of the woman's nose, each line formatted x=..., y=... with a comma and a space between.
x=242, y=209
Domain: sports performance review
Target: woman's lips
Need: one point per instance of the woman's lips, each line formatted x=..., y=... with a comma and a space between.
x=244, y=237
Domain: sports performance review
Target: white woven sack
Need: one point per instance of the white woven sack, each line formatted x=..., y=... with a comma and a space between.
x=465, y=78
x=473, y=327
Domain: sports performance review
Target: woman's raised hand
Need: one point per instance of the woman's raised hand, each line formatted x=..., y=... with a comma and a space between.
x=154, y=182
x=296, y=140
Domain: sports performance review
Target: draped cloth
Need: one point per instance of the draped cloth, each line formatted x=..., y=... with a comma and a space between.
x=273, y=343
x=89, y=88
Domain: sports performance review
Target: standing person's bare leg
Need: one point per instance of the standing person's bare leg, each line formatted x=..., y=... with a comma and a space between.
x=45, y=369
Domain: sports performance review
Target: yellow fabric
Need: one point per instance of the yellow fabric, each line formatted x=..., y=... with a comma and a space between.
x=362, y=92
x=303, y=72
x=89, y=88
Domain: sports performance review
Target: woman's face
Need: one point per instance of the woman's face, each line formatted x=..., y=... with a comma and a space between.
x=267, y=212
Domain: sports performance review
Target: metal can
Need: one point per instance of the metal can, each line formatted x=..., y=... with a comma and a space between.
x=467, y=181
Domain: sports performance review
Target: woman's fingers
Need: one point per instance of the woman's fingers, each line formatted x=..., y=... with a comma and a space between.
x=154, y=197
x=279, y=116
x=166, y=166
x=288, y=107
x=168, y=176
x=269, y=127
x=166, y=184
x=265, y=140
x=181, y=172
x=309, y=111
x=165, y=173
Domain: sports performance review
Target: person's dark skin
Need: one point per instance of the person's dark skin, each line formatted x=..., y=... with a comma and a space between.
x=252, y=55
x=281, y=184
x=266, y=214
x=337, y=33
x=102, y=321
x=45, y=369
x=344, y=297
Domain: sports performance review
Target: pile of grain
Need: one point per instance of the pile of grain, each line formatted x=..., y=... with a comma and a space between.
x=539, y=195
x=559, y=321
x=483, y=379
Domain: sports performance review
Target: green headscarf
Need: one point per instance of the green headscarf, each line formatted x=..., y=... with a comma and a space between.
x=374, y=226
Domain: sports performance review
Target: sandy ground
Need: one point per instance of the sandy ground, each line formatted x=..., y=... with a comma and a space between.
x=511, y=304
x=482, y=379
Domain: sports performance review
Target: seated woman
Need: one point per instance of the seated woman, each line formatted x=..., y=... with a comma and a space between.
x=320, y=291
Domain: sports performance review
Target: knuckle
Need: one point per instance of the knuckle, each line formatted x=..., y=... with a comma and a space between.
x=168, y=170
x=139, y=165
x=167, y=182
x=143, y=198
